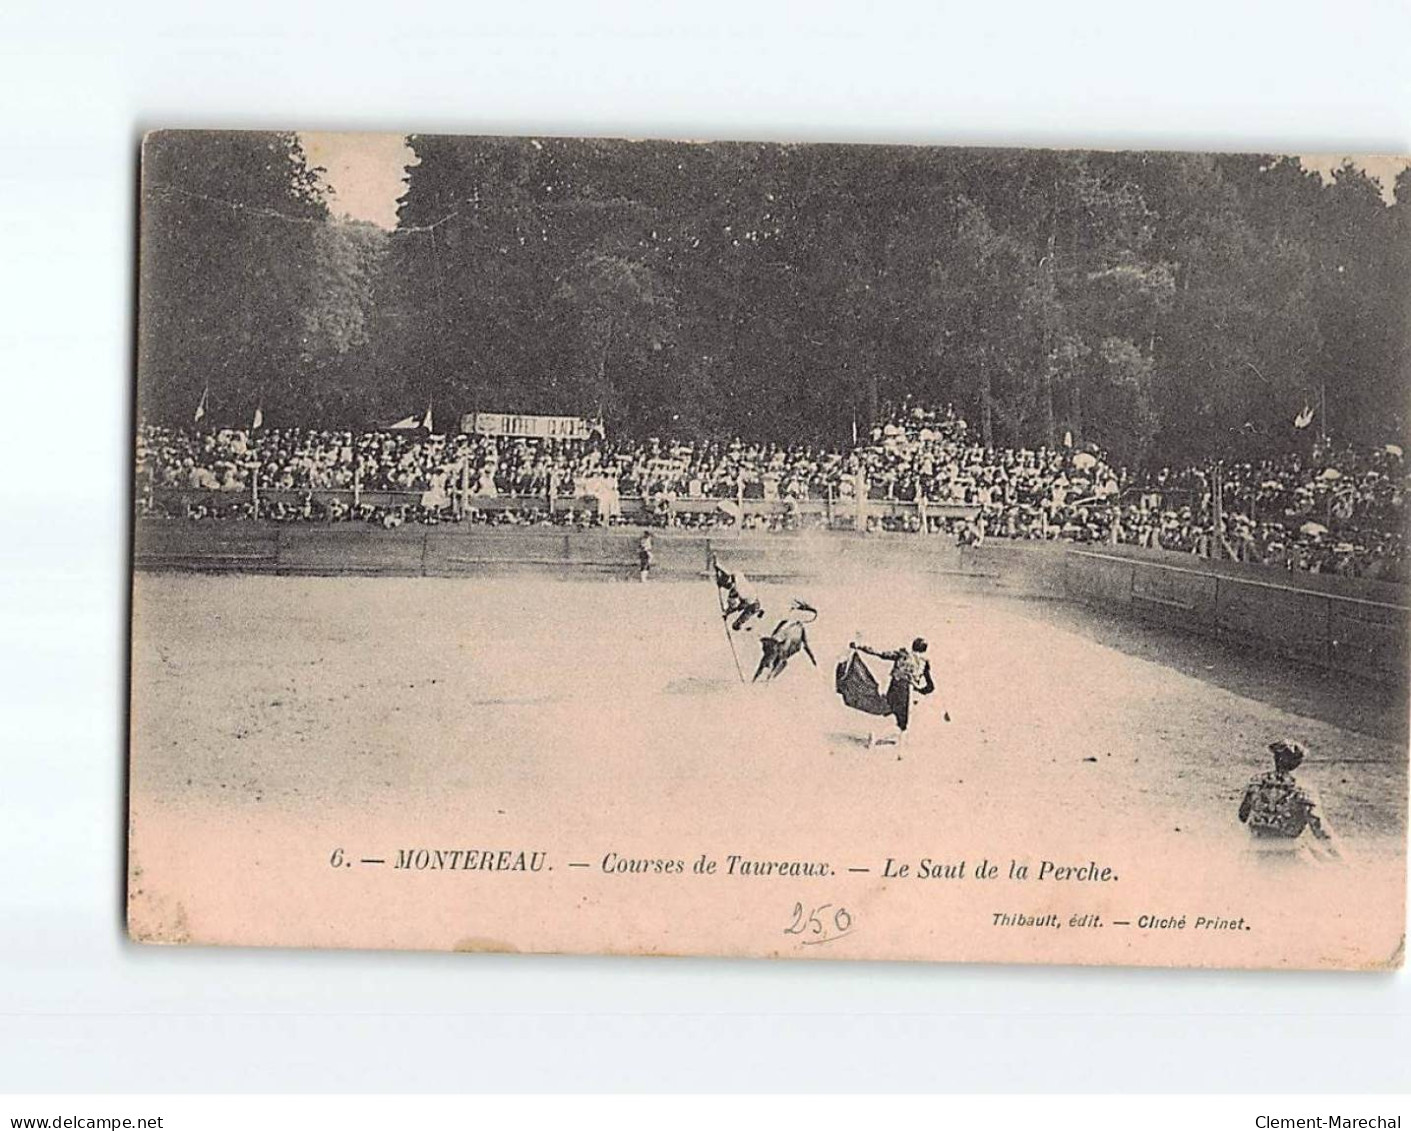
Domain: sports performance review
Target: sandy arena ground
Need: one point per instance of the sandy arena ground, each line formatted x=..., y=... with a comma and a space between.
x=285, y=730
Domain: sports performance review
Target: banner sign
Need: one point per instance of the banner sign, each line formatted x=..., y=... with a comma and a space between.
x=535, y=427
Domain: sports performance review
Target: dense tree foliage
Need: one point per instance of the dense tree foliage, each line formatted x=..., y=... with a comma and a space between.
x=1161, y=306
x=247, y=287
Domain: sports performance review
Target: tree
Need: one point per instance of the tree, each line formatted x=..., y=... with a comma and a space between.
x=975, y=310
x=1163, y=306
x=620, y=315
x=338, y=314
x=229, y=223
x=1234, y=347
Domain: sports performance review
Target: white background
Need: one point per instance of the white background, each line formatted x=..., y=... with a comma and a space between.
x=81, y=1009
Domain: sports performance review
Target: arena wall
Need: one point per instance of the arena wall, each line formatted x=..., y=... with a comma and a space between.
x=1259, y=608
x=1336, y=622
x=454, y=549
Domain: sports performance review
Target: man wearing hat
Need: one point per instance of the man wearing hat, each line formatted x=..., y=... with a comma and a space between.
x=1279, y=811
x=911, y=670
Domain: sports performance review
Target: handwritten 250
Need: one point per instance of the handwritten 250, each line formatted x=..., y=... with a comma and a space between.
x=820, y=925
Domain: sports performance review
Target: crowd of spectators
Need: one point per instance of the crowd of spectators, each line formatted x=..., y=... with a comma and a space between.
x=1332, y=510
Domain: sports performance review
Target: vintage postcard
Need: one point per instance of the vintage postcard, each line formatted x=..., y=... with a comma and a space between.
x=807, y=551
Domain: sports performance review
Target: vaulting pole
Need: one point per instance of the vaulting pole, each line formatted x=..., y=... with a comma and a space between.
x=724, y=616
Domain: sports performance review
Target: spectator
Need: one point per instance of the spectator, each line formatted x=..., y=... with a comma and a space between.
x=1339, y=512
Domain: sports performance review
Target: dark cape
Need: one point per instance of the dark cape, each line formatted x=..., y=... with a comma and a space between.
x=858, y=687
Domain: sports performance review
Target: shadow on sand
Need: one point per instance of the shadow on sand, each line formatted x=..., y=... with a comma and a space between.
x=697, y=685
x=1333, y=697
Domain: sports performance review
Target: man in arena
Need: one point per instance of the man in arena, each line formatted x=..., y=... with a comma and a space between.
x=911, y=671
x=739, y=599
x=1278, y=811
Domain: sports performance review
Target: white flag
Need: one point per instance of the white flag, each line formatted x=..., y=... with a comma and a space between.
x=201, y=405
x=1304, y=418
x=426, y=421
x=405, y=422
x=259, y=418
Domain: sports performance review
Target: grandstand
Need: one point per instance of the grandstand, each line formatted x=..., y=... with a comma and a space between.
x=920, y=472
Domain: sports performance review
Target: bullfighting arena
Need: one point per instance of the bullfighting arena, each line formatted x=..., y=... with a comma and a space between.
x=381, y=761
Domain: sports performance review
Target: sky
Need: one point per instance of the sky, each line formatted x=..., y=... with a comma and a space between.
x=367, y=172
x=1383, y=169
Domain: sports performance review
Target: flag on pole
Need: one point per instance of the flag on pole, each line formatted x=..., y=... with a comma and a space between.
x=1304, y=418
x=426, y=420
x=406, y=423
x=259, y=418
x=201, y=405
